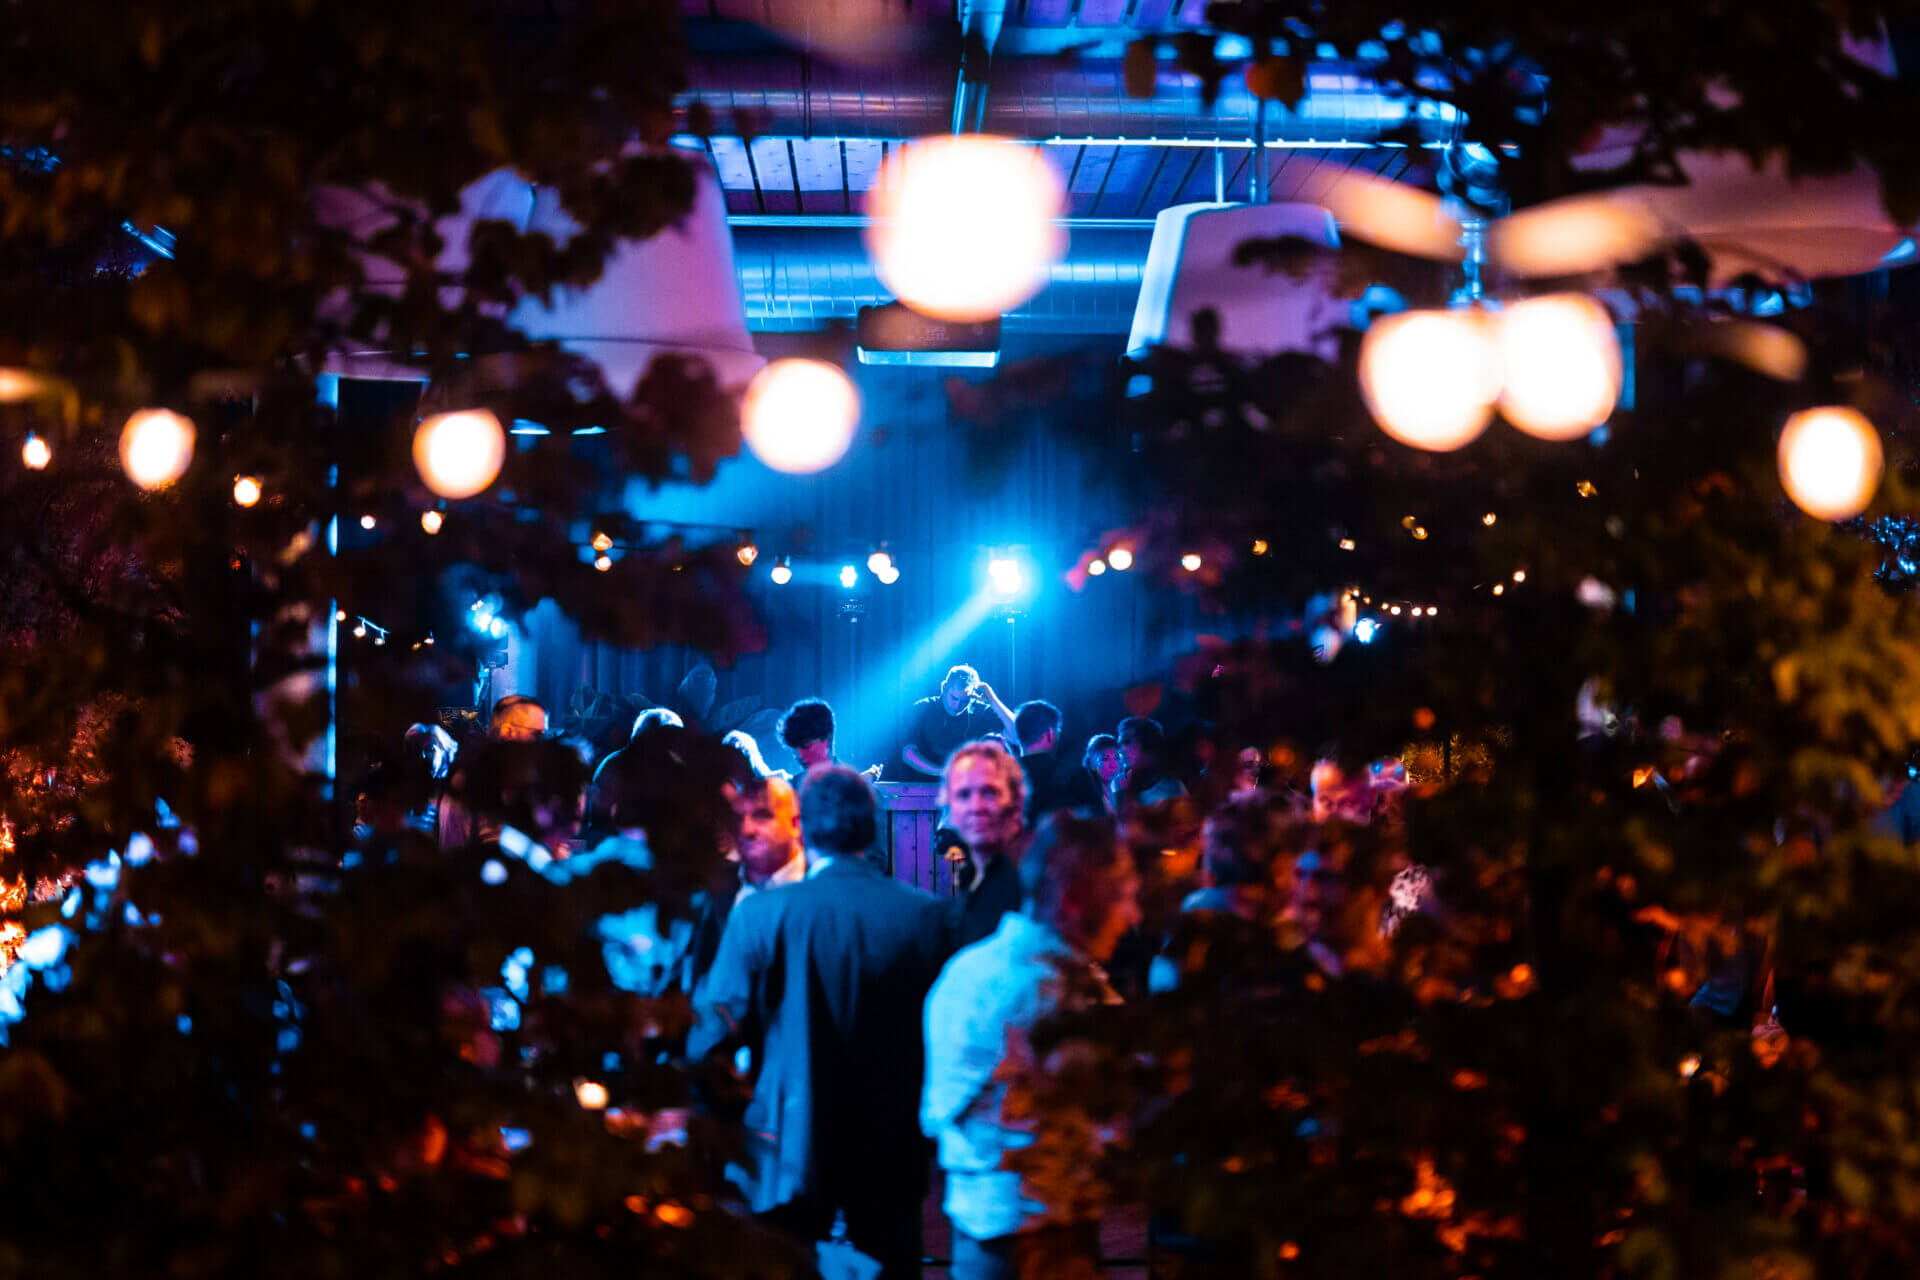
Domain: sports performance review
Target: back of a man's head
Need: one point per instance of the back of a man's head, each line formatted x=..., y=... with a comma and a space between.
x=808, y=720
x=838, y=812
x=517, y=718
x=655, y=718
x=1066, y=873
x=1033, y=722
x=1146, y=734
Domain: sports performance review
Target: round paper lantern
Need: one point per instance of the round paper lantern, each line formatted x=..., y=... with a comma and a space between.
x=459, y=454
x=1430, y=377
x=1830, y=462
x=155, y=447
x=1560, y=361
x=799, y=415
x=963, y=226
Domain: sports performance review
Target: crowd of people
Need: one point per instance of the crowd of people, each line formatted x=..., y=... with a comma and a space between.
x=868, y=1021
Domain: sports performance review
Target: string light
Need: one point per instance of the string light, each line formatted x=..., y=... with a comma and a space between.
x=746, y=553
x=1346, y=544
x=1499, y=589
x=1488, y=519
x=367, y=521
x=340, y=615
x=1121, y=559
x=1519, y=575
x=799, y=416
x=36, y=453
x=459, y=454
x=602, y=541
x=1259, y=546
x=963, y=227
x=879, y=562
x=360, y=631
x=1560, y=361
x=1830, y=462
x=1191, y=562
x=246, y=490
x=782, y=572
x=603, y=562
x=1419, y=533
x=155, y=447
x=1394, y=610
x=1096, y=568
x=1430, y=377
x=431, y=521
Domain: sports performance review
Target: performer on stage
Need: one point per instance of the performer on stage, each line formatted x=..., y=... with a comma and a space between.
x=951, y=717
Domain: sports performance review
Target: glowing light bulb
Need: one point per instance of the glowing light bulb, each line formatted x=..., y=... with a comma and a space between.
x=782, y=572
x=1190, y=562
x=36, y=453
x=889, y=575
x=361, y=631
x=799, y=416
x=591, y=1096
x=878, y=563
x=849, y=576
x=746, y=553
x=1120, y=558
x=340, y=615
x=368, y=522
x=1430, y=377
x=1830, y=462
x=602, y=542
x=1560, y=365
x=431, y=521
x=459, y=454
x=1499, y=589
x=1006, y=576
x=603, y=562
x=246, y=490
x=1259, y=546
x=156, y=447
x=1346, y=544
x=19, y=384
x=1519, y=575
x=1394, y=610
x=963, y=227
x=1488, y=519
x=1096, y=568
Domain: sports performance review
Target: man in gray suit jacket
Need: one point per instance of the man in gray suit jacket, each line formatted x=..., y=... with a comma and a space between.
x=824, y=980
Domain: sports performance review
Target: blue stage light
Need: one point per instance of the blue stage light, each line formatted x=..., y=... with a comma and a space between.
x=1365, y=630
x=1007, y=577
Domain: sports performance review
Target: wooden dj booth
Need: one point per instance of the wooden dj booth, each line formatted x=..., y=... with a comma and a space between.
x=906, y=836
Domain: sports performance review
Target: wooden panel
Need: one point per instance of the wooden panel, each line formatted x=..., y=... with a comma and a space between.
x=1132, y=168
x=1047, y=13
x=1151, y=15
x=911, y=819
x=818, y=174
x=730, y=158
x=863, y=161
x=1103, y=13
x=773, y=170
